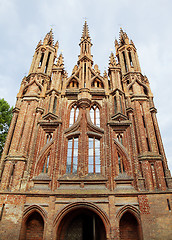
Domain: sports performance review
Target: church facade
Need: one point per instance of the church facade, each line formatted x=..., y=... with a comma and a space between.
x=84, y=158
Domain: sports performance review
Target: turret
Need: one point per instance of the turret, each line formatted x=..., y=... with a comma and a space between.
x=44, y=56
x=127, y=54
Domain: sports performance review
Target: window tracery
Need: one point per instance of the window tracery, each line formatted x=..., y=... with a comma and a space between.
x=73, y=115
x=95, y=115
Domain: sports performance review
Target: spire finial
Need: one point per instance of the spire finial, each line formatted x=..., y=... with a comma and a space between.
x=122, y=37
x=85, y=32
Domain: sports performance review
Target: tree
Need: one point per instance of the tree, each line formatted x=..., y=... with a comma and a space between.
x=5, y=120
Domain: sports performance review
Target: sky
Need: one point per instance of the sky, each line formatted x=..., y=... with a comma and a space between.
x=148, y=23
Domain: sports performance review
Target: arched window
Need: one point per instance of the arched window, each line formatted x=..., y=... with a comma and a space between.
x=72, y=156
x=95, y=115
x=55, y=105
x=49, y=137
x=46, y=164
x=120, y=164
x=94, y=156
x=119, y=138
x=73, y=115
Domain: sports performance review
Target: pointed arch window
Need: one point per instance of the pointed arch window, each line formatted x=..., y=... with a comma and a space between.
x=46, y=164
x=55, y=105
x=119, y=138
x=120, y=164
x=72, y=156
x=73, y=115
x=49, y=137
x=95, y=115
x=94, y=156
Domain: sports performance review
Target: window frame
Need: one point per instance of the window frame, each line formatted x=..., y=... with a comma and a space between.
x=73, y=119
x=93, y=156
x=72, y=154
x=96, y=118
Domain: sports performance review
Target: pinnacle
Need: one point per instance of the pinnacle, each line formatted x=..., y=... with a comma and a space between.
x=85, y=32
x=49, y=38
x=112, y=62
x=60, y=62
x=122, y=36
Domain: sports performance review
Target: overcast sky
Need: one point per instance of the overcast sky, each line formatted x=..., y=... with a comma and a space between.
x=148, y=23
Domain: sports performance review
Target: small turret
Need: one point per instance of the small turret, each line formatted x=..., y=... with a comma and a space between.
x=127, y=54
x=44, y=56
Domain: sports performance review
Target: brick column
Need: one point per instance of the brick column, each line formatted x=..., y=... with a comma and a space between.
x=18, y=174
x=162, y=152
x=114, y=231
x=150, y=128
x=147, y=175
x=6, y=175
x=160, y=175
x=50, y=218
x=18, y=128
x=140, y=128
x=10, y=135
x=27, y=130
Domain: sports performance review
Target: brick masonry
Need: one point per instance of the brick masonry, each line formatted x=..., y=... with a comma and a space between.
x=130, y=196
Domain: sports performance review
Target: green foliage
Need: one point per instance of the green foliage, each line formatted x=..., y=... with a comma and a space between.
x=5, y=120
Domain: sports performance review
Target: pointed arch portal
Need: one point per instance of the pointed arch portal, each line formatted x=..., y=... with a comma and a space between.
x=81, y=224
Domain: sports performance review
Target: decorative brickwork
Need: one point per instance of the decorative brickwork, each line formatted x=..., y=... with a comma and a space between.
x=84, y=152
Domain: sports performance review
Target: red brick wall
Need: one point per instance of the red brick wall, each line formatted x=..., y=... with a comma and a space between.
x=34, y=227
x=129, y=227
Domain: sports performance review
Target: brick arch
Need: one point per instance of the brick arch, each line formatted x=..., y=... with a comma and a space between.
x=33, y=223
x=73, y=80
x=34, y=80
x=131, y=209
x=97, y=104
x=129, y=223
x=98, y=80
x=46, y=149
x=82, y=205
x=136, y=79
x=123, y=152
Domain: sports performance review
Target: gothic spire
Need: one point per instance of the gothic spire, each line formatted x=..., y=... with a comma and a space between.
x=49, y=38
x=85, y=44
x=123, y=38
x=85, y=32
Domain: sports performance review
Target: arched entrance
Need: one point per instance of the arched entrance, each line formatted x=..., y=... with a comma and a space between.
x=81, y=224
x=129, y=227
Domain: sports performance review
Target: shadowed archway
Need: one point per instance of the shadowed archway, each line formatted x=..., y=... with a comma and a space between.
x=81, y=224
x=129, y=227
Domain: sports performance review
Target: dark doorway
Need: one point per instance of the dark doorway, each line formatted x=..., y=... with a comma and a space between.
x=129, y=227
x=81, y=224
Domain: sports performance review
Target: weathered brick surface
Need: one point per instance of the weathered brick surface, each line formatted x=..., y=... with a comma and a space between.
x=130, y=196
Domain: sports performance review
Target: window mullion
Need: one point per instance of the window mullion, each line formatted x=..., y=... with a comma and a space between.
x=72, y=155
x=94, y=155
x=74, y=115
x=95, y=116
